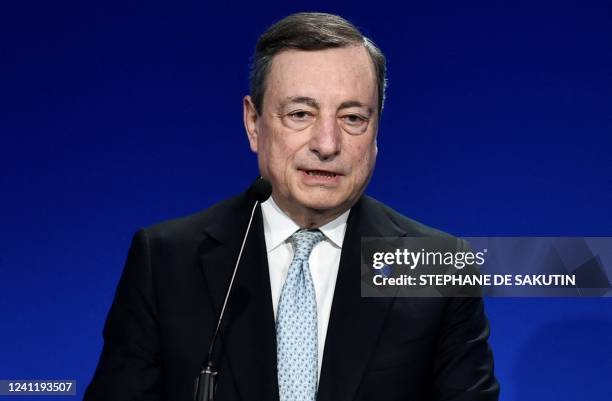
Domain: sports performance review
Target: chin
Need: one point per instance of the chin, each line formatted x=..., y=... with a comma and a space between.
x=321, y=202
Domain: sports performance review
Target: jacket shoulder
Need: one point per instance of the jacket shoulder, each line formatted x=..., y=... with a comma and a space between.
x=380, y=212
x=191, y=226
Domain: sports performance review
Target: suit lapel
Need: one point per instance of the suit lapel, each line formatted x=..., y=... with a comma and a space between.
x=355, y=323
x=248, y=334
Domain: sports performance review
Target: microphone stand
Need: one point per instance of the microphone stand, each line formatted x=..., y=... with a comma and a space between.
x=205, y=383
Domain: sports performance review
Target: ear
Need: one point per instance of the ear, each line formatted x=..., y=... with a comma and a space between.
x=250, y=116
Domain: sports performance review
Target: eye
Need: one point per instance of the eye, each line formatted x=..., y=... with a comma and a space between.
x=299, y=115
x=354, y=119
x=354, y=123
x=298, y=119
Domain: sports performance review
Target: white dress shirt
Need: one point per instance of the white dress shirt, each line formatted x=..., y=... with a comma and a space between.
x=324, y=261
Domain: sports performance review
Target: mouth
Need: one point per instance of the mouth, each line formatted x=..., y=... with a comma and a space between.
x=321, y=173
x=321, y=177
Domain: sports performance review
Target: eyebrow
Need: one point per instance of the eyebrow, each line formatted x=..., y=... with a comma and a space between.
x=299, y=99
x=313, y=103
x=354, y=103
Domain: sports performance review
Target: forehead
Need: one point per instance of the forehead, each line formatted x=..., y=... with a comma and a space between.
x=334, y=75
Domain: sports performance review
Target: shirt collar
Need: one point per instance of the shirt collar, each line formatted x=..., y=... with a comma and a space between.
x=278, y=227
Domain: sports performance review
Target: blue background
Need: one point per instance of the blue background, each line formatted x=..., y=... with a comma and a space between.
x=117, y=115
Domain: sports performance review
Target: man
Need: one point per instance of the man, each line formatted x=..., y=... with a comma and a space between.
x=317, y=91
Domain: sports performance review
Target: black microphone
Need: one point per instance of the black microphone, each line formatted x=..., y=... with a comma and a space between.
x=260, y=190
x=205, y=383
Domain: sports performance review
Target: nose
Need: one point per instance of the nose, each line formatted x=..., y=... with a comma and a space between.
x=326, y=139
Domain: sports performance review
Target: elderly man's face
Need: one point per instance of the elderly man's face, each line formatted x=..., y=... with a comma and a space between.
x=315, y=138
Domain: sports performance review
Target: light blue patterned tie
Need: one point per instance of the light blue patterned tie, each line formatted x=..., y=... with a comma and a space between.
x=296, y=324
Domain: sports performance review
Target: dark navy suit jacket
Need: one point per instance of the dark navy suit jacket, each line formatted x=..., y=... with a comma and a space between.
x=170, y=294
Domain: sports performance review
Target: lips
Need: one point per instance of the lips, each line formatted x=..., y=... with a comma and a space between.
x=321, y=177
x=320, y=173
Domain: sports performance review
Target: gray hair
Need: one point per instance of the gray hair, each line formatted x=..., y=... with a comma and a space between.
x=310, y=31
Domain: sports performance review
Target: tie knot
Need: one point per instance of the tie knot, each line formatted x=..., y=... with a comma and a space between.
x=303, y=241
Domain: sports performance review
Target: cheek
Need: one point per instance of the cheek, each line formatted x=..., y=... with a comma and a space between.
x=278, y=153
x=364, y=156
x=285, y=146
x=364, y=159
